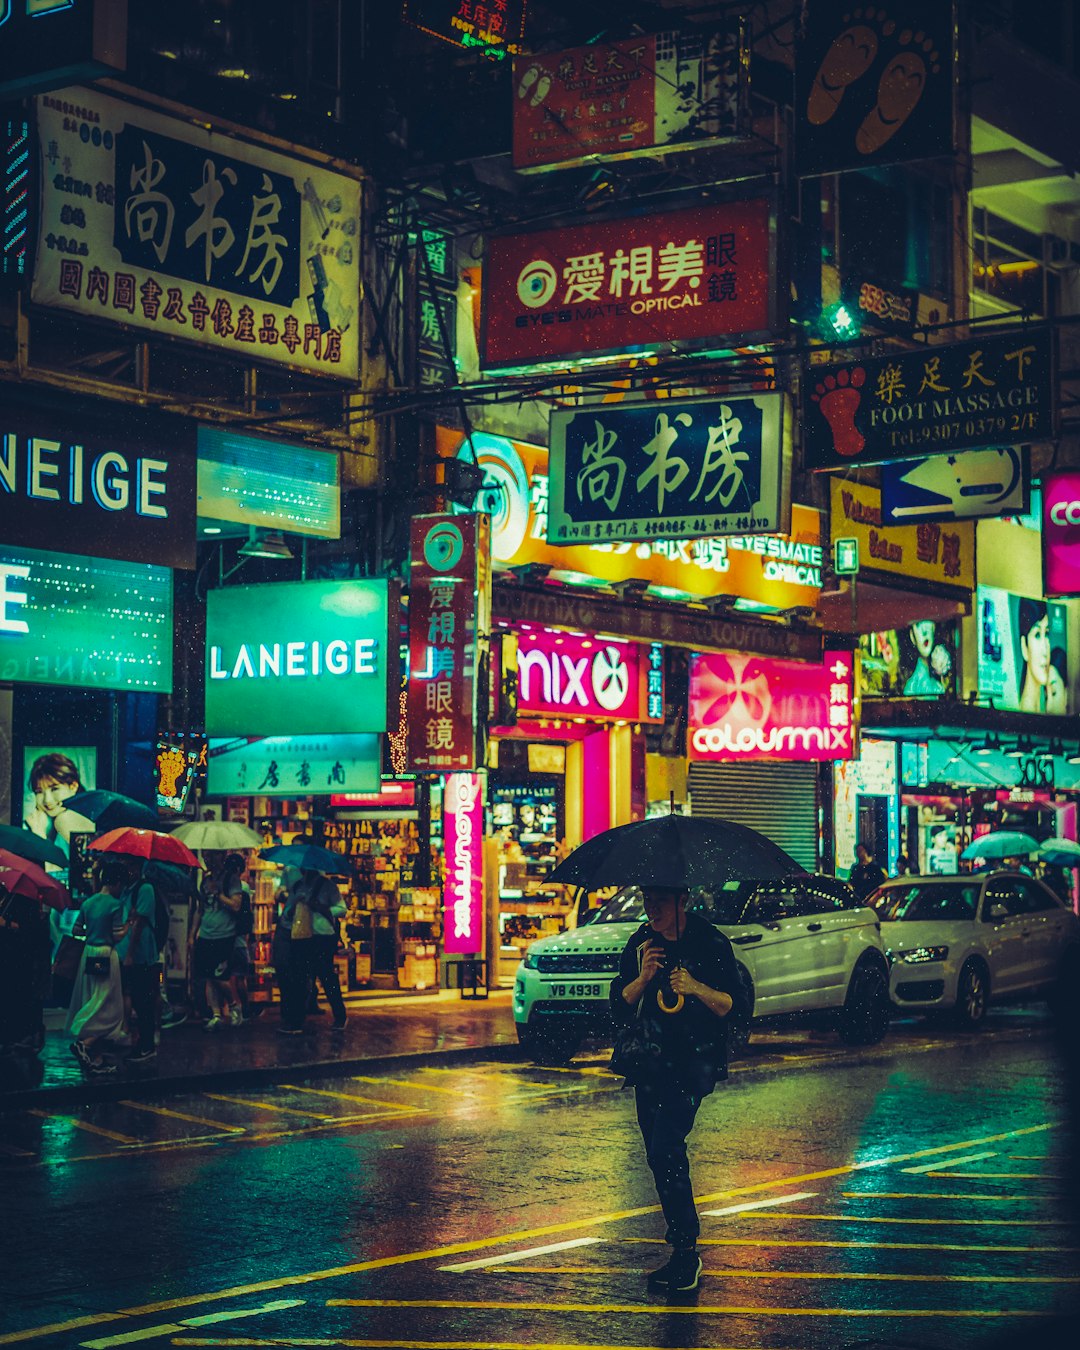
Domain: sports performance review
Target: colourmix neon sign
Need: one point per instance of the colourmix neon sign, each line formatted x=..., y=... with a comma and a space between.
x=463, y=830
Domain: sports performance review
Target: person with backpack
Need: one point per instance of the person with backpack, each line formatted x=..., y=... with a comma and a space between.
x=139, y=953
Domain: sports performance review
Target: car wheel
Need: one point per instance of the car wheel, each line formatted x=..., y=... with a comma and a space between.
x=972, y=995
x=1064, y=997
x=739, y=1026
x=551, y=1042
x=865, y=1017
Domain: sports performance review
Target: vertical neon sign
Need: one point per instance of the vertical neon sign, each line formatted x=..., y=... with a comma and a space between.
x=463, y=891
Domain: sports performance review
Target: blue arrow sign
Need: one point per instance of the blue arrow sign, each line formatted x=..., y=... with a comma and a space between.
x=956, y=487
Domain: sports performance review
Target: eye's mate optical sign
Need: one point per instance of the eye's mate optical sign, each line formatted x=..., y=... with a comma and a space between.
x=299, y=658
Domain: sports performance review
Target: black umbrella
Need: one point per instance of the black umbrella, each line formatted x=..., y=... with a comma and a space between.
x=26, y=844
x=676, y=851
x=113, y=811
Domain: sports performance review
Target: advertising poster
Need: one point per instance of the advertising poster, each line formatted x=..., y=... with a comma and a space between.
x=628, y=96
x=751, y=708
x=293, y=766
x=690, y=468
x=1061, y=533
x=780, y=570
x=1023, y=659
x=934, y=401
x=185, y=232
x=698, y=277
x=918, y=661
x=51, y=775
x=872, y=86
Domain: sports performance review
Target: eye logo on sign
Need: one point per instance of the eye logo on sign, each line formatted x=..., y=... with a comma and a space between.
x=536, y=283
x=443, y=546
x=610, y=678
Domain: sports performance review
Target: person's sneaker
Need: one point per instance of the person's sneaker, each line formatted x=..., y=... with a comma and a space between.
x=679, y=1275
x=215, y=1023
x=101, y=1068
x=236, y=1017
x=141, y=1056
x=173, y=1018
x=339, y=1025
x=81, y=1054
x=289, y=1031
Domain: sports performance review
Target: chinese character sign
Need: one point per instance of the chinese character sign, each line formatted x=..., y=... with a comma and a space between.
x=672, y=469
x=1061, y=533
x=751, y=707
x=699, y=276
x=294, y=766
x=671, y=89
x=944, y=553
x=497, y=26
x=192, y=234
x=463, y=841
x=933, y=401
x=449, y=615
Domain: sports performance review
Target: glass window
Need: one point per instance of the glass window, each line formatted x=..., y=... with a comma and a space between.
x=625, y=907
x=779, y=900
x=1036, y=897
x=921, y=902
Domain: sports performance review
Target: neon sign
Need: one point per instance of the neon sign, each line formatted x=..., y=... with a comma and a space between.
x=463, y=894
x=571, y=674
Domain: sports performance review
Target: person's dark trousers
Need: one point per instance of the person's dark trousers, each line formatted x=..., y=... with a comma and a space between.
x=290, y=962
x=666, y=1116
x=323, y=969
x=142, y=984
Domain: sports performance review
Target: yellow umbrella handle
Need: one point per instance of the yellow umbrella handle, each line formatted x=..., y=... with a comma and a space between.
x=678, y=1001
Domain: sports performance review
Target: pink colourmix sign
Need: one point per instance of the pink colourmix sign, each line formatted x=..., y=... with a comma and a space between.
x=1061, y=533
x=752, y=707
x=463, y=890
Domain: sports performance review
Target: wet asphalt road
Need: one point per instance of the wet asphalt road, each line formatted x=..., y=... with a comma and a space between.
x=909, y=1195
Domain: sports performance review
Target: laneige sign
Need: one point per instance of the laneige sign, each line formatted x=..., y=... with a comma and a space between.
x=75, y=481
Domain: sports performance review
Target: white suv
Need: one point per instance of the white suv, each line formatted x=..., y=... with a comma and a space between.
x=802, y=945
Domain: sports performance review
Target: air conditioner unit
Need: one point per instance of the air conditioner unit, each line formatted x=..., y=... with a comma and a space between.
x=1061, y=255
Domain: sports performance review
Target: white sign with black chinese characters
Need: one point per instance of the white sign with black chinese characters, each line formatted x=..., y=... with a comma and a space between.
x=187, y=233
x=681, y=469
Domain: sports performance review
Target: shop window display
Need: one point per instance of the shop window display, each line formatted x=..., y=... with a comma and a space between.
x=527, y=825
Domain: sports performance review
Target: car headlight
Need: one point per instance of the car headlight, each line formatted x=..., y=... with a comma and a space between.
x=918, y=956
x=531, y=961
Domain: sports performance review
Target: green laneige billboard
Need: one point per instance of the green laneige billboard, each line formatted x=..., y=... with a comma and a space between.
x=297, y=658
x=90, y=622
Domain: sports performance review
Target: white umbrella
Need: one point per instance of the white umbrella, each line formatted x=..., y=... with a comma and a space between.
x=218, y=834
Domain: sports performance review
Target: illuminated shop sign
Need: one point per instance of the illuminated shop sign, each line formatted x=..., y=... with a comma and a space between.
x=1023, y=659
x=293, y=766
x=568, y=674
x=498, y=26
x=92, y=622
x=51, y=42
x=268, y=484
x=77, y=480
x=297, y=658
x=749, y=707
x=779, y=570
x=943, y=553
x=1061, y=533
x=176, y=765
x=702, y=276
x=463, y=839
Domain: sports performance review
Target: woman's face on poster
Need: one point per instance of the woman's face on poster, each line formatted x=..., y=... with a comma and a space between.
x=1035, y=649
x=50, y=795
x=922, y=635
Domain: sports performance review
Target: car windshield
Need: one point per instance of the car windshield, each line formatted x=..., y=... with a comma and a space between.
x=723, y=906
x=922, y=902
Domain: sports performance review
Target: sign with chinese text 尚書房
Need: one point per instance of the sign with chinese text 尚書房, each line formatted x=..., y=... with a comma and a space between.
x=752, y=707
x=679, y=469
x=630, y=96
x=94, y=623
x=76, y=481
x=927, y=552
x=933, y=401
x=449, y=615
x=956, y=487
x=268, y=484
x=297, y=658
x=188, y=233
x=1061, y=532
x=699, y=277
x=782, y=571
x=293, y=766
x=463, y=842
x=562, y=674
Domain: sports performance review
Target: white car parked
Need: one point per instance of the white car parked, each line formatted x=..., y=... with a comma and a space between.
x=802, y=945
x=963, y=942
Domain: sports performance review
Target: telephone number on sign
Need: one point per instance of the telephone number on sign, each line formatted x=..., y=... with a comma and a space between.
x=577, y=990
x=990, y=427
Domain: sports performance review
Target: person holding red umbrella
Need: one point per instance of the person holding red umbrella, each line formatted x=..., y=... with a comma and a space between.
x=96, y=1013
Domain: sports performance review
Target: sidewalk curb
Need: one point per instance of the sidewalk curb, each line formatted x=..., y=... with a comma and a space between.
x=114, y=1089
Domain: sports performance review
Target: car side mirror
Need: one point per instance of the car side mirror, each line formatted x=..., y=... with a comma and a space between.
x=996, y=911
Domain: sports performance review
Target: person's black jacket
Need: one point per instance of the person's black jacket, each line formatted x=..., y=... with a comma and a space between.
x=865, y=878
x=695, y=1038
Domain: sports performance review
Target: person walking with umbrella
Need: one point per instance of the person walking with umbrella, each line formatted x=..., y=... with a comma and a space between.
x=214, y=939
x=96, y=1013
x=677, y=983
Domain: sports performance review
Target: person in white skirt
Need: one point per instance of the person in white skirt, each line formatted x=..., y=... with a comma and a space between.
x=97, y=1002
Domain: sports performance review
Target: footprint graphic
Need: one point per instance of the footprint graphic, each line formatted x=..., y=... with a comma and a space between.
x=847, y=60
x=838, y=396
x=538, y=80
x=902, y=83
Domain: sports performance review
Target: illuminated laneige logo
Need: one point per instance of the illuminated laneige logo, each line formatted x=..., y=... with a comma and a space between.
x=49, y=471
x=297, y=660
x=12, y=600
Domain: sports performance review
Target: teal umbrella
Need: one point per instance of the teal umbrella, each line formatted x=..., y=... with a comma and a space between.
x=1000, y=844
x=307, y=856
x=26, y=844
x=1060, y=852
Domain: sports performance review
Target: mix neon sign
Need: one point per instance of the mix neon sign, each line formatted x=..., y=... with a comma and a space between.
x=569, y=673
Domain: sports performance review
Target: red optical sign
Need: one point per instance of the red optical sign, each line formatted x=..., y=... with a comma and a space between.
x=449, y=601
x=463, y=838
x=561, y=674
x=1061, y=533
x=695, y=276
x=751, y=707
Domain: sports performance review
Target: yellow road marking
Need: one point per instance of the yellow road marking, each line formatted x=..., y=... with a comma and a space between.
x=1000, y=1176
x=74, y=1325
x=520, y=1235
x=266, y=1106
x=182, y=1115
x=15, y=1151
x=795, y=1275
x=945, y=1223
x=924, y=1195
x=404, y=1082
x=873, y=1246
x=351, y=1097
x=83, y=1125
x=654, y=1310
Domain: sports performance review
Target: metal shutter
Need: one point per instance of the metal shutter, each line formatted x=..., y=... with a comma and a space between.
x=779, y=800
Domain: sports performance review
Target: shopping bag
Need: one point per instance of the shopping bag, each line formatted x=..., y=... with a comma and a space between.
x=301, y=922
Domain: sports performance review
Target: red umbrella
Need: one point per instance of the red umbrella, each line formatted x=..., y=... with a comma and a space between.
x=146, y=844
x=19, y=876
